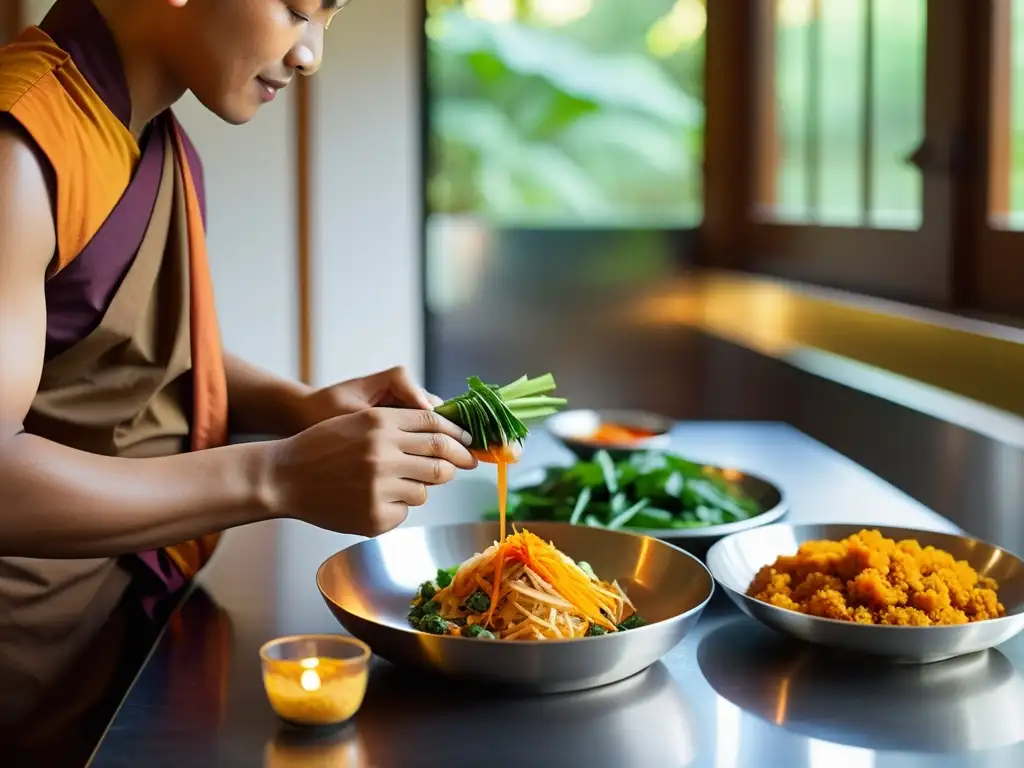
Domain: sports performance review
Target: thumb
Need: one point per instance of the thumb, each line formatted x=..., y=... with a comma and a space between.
x=405, y=390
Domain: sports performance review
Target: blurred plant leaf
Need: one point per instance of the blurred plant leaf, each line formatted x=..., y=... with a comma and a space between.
x=509, y=170
x=624, y=81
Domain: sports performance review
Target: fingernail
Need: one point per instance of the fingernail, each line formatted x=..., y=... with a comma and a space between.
x=467, y=439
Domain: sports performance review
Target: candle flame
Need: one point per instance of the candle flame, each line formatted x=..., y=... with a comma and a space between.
x=310, y=681
x=309, y=663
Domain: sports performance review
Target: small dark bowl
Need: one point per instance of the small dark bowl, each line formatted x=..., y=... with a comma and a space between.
x=573, y=428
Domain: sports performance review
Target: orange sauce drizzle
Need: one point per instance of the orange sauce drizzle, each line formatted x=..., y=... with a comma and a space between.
x=501, y=456
x=502, y=494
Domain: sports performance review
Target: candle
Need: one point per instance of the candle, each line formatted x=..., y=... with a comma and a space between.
x=315, y=691
x=315, y=679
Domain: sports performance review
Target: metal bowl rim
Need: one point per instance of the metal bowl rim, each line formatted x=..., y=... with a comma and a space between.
x=1018, y=612
x=695, y=610
x=760, y=520
x=660, y=436
x=652, y=416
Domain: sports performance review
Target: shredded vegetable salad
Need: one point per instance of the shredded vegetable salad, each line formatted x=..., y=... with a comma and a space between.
x=522, y=588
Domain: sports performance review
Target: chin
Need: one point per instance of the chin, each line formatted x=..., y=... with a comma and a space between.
x=233, y=110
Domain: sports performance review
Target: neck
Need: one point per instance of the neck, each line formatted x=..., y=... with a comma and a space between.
x=151, y=86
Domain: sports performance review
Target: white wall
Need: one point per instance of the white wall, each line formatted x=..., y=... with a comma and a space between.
x=367, y=193
x=250, y=190
x=34, y=10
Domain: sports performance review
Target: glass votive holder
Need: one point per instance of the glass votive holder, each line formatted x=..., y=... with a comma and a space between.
x=315, y=680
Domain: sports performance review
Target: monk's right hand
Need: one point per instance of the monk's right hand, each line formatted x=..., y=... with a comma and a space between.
x=361, y=472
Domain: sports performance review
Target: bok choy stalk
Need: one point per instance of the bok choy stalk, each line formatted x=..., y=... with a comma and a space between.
x=495, y=415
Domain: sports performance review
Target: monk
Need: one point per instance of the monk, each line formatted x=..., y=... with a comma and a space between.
x=116, y=397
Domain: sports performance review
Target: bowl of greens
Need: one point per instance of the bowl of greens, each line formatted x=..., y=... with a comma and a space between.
x=647, y=491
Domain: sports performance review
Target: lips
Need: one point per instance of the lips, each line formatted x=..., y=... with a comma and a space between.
x=269, y=88
x=275, y=85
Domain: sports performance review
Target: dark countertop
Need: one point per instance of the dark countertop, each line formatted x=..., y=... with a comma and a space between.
x=730, y=695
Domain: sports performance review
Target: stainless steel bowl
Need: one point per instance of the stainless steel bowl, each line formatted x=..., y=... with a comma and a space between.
x=736, y=559
x=369, y=586
x=697, y=541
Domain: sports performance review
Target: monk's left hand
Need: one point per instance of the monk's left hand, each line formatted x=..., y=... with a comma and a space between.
x=393, y=388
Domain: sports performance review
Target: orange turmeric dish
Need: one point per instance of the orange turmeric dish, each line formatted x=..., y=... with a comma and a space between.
x=869, y=579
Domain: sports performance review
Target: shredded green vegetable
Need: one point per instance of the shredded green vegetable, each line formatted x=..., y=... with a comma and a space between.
x=495, y=416
x=645, y=489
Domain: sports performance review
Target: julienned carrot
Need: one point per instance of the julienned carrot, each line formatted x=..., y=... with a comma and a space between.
x=532, y=591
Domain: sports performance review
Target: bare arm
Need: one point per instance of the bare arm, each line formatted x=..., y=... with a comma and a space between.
x=58, y=502
x=262, y=403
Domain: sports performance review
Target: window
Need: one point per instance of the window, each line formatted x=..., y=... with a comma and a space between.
x=566, y=112
x=564, y=157
x=1006, y=157
x=841, y=194
x=845, y=113
x=997, y=269
x=871, y=145
x=881, y=147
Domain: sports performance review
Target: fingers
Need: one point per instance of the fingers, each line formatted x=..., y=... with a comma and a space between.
x=424, y=470
x=439, y=447
x=434, y=400
x=408, y=492
x=428, y=421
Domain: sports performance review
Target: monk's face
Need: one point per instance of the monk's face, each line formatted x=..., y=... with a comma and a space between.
x=243, y=52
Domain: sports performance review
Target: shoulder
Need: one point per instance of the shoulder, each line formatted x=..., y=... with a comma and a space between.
x=27, y=199
x=25, y=65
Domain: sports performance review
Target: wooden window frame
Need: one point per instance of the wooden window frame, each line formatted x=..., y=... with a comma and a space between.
x=956, y=260
x=996, y=272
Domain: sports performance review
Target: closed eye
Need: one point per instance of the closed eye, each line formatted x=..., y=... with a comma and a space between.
x=299, y=17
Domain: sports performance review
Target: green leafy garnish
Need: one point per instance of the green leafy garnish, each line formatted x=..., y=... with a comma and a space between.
x=633, y=622
x=478, y=602
x=434, y=625
x=427, y=590
x=478, y=631
x=445, y=576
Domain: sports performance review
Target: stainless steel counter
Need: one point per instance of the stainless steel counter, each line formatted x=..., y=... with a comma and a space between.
x=731, y=695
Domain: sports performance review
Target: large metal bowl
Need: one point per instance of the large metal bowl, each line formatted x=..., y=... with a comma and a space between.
x=735, y=560
x=369, y=586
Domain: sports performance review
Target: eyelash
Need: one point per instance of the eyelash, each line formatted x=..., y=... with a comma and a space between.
x=298, y=16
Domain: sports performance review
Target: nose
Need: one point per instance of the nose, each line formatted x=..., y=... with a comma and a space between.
x=306, y=55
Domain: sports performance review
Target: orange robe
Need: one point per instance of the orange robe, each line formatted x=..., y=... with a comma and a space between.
x=94, y=157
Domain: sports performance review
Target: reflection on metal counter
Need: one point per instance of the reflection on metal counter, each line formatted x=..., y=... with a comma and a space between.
x=962, y=705
x=646, y=720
